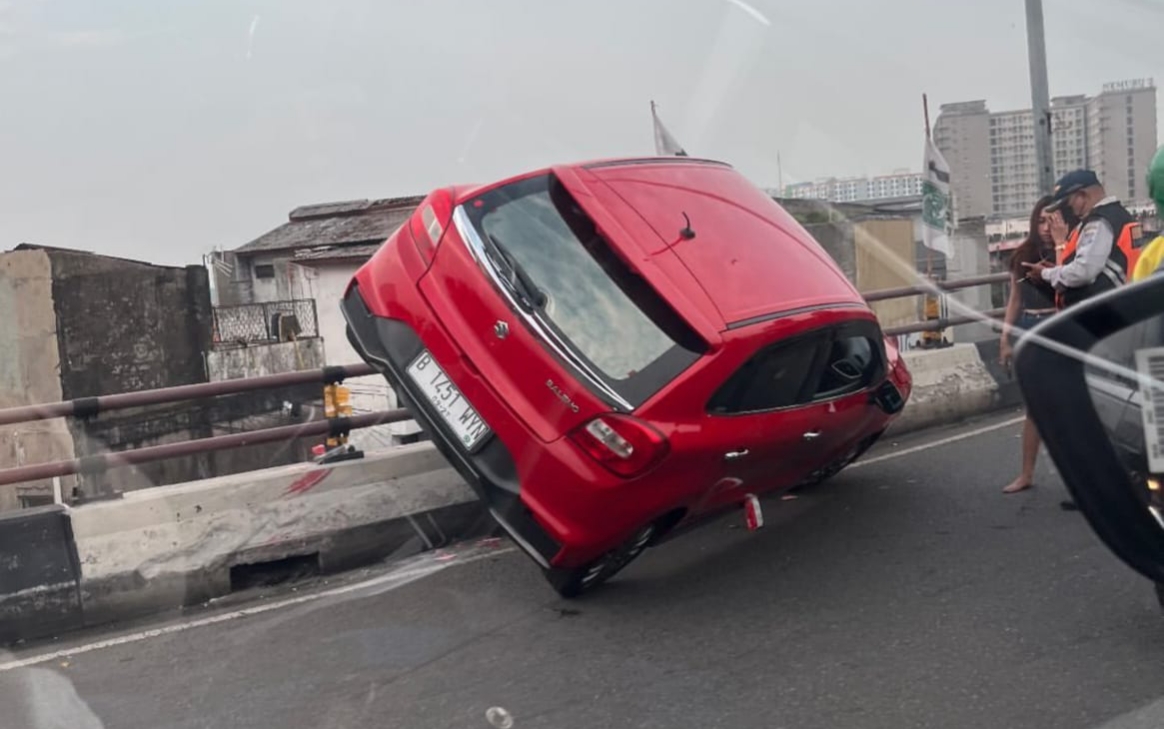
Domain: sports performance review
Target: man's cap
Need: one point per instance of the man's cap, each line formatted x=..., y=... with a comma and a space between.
x=1069, y=184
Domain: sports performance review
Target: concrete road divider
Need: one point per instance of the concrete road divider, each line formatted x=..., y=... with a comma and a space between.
x=183, y=544
x=952, y=384
x=38, y=573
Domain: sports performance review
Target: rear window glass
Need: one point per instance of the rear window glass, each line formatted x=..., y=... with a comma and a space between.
x=594, y=302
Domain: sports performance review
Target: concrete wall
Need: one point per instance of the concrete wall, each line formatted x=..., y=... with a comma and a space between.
x=885, y=259
x=126, y=326
x=949, y=384
x=28, y=369
x=837, y=239
x=265, y=359
x=175, y=546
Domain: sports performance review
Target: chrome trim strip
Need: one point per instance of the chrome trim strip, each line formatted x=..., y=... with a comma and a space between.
x=476, y=248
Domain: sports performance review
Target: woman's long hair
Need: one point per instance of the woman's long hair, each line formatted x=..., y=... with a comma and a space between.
x=1031, y=249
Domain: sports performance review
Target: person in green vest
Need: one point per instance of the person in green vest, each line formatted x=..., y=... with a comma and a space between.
x=1152, y=257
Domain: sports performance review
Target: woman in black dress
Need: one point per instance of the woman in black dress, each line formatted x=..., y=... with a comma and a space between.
x=1030, y=302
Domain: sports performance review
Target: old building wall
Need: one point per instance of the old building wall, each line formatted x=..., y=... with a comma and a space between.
x=29, y=367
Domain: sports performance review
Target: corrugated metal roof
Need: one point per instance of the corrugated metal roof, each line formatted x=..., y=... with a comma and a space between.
x=336, y=224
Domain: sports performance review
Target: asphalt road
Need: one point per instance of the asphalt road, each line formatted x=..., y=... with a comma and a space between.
x=909, y=592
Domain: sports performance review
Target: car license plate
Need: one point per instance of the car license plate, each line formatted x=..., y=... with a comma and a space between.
x=468, y=427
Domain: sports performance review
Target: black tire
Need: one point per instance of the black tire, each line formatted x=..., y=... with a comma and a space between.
x=573, y=582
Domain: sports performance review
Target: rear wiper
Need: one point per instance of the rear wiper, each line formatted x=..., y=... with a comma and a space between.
x=522, y=284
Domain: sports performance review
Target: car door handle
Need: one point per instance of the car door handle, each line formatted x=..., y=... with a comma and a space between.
x=735, y=455
x=812, y=435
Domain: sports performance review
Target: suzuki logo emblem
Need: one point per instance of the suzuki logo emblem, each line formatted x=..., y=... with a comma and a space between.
x=501, y=329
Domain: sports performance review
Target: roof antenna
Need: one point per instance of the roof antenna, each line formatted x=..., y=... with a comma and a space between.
x=686, y=232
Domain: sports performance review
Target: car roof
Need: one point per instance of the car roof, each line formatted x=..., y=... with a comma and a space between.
x=749, y=259
x=749, y=255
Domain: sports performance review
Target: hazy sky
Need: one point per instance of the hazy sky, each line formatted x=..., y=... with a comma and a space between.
x=159, y=129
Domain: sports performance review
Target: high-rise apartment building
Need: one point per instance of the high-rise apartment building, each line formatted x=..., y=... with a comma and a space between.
x=962, y=134
x=993, y=169
x=859, y=189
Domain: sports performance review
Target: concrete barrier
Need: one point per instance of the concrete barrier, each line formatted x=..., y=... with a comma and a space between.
x=178, y=545
x=949, y=384
x=38, y=574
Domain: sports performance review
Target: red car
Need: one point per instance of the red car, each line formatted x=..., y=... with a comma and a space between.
x=607, y=351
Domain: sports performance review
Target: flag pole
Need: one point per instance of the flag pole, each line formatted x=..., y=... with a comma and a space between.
x=926, y=111
x=929, y=251
x=931, y=305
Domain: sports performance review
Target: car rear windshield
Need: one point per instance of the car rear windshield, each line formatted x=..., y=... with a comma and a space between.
x=608, y=315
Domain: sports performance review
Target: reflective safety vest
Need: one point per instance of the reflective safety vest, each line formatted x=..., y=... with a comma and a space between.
x=1121, y=262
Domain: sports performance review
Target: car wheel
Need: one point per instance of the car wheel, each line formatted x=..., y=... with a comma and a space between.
x=571, y=583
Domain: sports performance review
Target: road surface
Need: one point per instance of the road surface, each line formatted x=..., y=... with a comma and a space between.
x=909, y=592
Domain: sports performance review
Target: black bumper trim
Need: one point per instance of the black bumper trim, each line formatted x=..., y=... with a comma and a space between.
x=388, y=345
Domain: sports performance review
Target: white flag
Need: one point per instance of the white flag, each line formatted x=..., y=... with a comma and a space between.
x=936, y=215
x=665, y=144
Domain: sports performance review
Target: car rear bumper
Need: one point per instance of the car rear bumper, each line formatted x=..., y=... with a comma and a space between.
x=389, y=345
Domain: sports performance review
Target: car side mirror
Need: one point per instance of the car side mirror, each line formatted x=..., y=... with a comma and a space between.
x=1093, y=381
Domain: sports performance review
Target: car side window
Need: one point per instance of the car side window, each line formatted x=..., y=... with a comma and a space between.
x=822, y=365
x=854, y=363
x=776, y=377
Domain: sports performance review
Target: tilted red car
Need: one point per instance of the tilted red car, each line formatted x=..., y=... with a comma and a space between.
x=606, y=351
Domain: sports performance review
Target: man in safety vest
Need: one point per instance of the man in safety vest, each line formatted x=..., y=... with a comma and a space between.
x=1105, y=250
x=1152, y=256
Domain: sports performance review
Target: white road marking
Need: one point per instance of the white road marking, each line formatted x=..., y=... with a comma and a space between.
x=939, y=443
x=433, y=563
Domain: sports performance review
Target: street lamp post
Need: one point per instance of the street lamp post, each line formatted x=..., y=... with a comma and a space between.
x=1040, y=95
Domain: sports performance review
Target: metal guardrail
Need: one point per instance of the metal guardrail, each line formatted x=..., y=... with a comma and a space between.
x=91, y=406
x=936, y=325
x=87, y=407
x=106, y=461
x=956, y=284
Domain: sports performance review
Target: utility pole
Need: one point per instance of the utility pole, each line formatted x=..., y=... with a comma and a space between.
x=1040, y=96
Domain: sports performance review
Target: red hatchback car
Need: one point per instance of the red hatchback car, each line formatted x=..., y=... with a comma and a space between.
x=607, y=351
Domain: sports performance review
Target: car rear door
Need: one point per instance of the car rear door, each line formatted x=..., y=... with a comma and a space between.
x=758, y=421
x=794, y=407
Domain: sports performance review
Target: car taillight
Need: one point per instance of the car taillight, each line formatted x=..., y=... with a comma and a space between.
x=625, y=445
x=429, y=223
